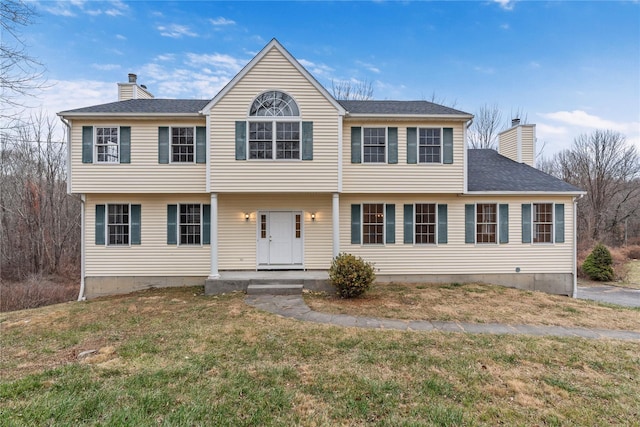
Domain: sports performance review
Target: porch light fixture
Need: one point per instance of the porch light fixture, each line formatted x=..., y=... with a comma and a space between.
x=246, y=216
x=313, y=216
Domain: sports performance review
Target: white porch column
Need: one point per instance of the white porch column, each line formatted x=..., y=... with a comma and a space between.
x=213, y=273
x=335, y=215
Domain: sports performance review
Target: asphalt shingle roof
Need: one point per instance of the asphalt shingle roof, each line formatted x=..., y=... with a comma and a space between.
x=489, y=171
x=148, y=106
x=398, y=108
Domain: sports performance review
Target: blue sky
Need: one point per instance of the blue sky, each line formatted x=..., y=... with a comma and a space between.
x=570, y=66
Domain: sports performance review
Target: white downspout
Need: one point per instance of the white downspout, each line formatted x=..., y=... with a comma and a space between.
x=83, y=200
x=575, y=247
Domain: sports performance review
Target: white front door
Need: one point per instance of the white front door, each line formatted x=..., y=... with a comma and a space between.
x=279, y=240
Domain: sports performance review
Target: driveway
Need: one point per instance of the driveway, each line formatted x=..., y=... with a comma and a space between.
x=611, y=294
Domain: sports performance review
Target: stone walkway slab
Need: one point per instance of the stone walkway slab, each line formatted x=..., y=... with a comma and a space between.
x=293, y=306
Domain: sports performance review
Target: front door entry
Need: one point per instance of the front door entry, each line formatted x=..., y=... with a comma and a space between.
x=279, y=240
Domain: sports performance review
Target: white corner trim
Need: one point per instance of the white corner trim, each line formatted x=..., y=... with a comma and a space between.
x=340, y=154
x=208, y=156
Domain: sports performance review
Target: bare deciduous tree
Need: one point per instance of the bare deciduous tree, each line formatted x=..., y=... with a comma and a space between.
x=20, y=74
x=39, y=221
x=608, y=169
x=486, y=125
x=352, y=90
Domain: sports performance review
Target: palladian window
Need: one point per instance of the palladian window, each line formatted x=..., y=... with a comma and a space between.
x=274, y=127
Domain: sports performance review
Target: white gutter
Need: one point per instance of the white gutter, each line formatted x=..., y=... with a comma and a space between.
x=409, y=117
x=131, y=115
x=83, y=201
x=525, y=193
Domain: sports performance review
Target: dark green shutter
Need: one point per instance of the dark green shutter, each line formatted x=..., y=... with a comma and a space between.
x=172, y=224
x=356, y=141
x=393, y=145
x=125, y=144
x=412, y=145
x=241, y=140
x=206, y=224
x=503, y=213
x=469, y=223
x=559, y=213
x=355, y=224
x=390, y=220
x=526, y=223
x=201, y=144
x=100, y=228
x=136, y=221
x=163, y=144
x=442, y=224
x=447, y=146
x=87, y=144
x=408, y=224
x=307, y=140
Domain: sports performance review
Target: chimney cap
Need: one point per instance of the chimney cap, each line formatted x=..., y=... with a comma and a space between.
x=132, y=78
x=515, y=122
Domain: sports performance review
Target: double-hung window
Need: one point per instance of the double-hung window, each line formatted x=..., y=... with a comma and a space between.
x=107, y=145
x=374, y=145
x=188, y=224
x=429, y=145
x=118, y=224
x=486, y=223
x=373, y=223
x=182, y=144
x=425, y=223
x=542, y=222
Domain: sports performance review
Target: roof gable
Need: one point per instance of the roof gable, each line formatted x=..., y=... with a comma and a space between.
x=273, y=44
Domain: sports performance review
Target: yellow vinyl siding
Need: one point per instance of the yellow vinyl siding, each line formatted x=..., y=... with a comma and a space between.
x=238, y=238
x=528, y=143
x=403, y=177
x=274, y=72
x=125, y=91
x=153, y=257
x=456, y=256
x=508, y=144
x=144, y=174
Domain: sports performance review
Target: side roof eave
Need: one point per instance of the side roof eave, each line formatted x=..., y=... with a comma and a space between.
x=460, y=117
x=273, y=44
x=130, y=115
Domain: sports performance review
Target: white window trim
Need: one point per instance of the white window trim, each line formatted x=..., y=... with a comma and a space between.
x=386, y=145
x=95, y=145
x=274, y=142
x=441, y=145
x=106, y=226
x=475, y=223
x=171, y=145
x=435, y=242
x=553, y=223
x=384, y=224
x=179, y=223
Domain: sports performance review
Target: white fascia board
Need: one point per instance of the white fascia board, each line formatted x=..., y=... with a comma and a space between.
x=273, y=44
x=524, y=193
x=128, y=115
x=407, y=117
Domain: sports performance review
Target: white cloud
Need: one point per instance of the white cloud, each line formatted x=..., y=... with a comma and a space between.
x=505, y=4
x=484, y=70
x=175, y=31
x=106, y=67
x=318, y=70
x=166, y=57
x=583, y=119
x=224, y=62
x=75, y=7
x=120, y=37
x=220, y=21
x=505, y=26
x=368, y=66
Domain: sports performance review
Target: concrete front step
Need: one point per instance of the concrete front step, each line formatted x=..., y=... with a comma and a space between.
x=274, y=289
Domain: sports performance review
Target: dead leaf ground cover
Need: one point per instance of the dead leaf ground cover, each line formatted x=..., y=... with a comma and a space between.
x=480, y=303
x=176, y=357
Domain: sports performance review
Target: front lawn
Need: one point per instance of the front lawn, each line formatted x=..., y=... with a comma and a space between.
x=176, y=357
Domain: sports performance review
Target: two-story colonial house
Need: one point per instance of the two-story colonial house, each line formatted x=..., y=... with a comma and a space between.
x=274, y=174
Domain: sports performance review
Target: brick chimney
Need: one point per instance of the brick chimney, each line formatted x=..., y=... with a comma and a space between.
x=132, y=90
x=518, y=143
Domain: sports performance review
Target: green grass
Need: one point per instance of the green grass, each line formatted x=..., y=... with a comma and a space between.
x=216, y=361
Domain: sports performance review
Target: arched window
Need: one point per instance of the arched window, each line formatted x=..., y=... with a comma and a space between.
x=274, y=127
x=274, y=104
